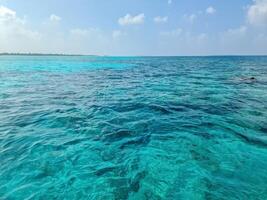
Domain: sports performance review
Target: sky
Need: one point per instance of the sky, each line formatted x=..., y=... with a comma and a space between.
x=134, y=27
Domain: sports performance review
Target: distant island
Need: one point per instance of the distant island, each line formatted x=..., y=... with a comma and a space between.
x=41, y=54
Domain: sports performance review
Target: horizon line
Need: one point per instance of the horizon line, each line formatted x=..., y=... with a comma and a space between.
x=67, y=54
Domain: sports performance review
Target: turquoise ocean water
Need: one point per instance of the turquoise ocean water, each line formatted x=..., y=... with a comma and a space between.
x=107, y=128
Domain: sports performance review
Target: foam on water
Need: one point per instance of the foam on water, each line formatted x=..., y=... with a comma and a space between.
x=133, y=128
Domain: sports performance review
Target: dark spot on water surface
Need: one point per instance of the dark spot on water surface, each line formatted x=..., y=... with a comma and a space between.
x=102, y=171
x=263, y=129
x=74, y=142
x=159, y=108
x=142, y=140
x=251, y=140
x=117, y=135
x=136, y=181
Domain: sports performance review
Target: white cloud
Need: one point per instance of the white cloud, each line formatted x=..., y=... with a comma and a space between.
x=117, y=34
x=191, y=18
x=14, y=33
x=210, y=10
x=182, y=42
x=6, y=13
x=132, y=20
x=16, y=36
x=239, y=31
x=257, y=13
x=160, y=19
x=243, y=40
x=87, y=41
x=55, y=18
x=81, y=32
x=172, y=33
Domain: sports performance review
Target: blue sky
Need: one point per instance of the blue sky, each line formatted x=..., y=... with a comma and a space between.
x=134, y=27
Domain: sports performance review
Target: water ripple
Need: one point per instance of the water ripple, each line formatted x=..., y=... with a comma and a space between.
x=133, y=128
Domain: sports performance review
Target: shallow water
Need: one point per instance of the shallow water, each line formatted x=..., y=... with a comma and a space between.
x=133, y=128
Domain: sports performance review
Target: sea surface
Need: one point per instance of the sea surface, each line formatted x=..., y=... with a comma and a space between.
x=137, y=128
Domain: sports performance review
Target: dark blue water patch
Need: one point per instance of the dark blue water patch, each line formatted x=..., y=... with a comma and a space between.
x=142, y=140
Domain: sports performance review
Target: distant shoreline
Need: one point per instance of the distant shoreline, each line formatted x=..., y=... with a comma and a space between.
x=51, y=54
x=40, y=54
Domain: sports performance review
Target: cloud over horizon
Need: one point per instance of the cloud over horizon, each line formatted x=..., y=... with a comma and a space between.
x=55, y=18
x=132, y=20
x=257, y=13
x=210, y=10
x=160, y=19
